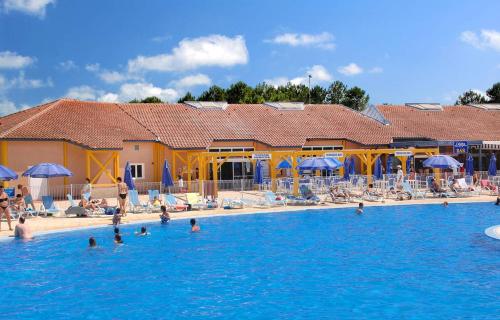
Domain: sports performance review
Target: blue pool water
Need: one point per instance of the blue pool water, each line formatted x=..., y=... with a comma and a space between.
x=407, y=262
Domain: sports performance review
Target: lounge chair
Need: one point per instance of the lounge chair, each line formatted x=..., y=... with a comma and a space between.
x=415, y=194
x=489, y=187
x=295, y=201
x=196, y=202
x=307, y=194
x=228, y=203
x=49, y=207
x=75, y=209
x=467, y=189
x=271, y=197
x=135, y=204
x=172, y=203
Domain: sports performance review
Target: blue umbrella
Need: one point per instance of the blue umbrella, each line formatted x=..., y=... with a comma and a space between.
x=127, y=177
x=284, y=164
x=319, y=164
x=47, y=170
x=166, y=177
x=388, y=165
x=492, y=168
x=441, y=162
x=258, y=176
x=7, y=174
x=408, y=164
x=378, y=169
x=352, y=166
x=469, y=165
x=347, y=163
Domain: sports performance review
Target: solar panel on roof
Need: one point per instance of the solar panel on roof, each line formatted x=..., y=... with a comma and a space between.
x=487, y=106
x=425, y=106
x=207, y=104
x=286, y=105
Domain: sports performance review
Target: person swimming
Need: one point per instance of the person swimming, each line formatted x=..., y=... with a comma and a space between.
x=194, y=227
x=445, y=204
x=164, y=216
x=92, y=242
x=498, y=201
x=359, y=210
x=118, y=239
x=143, y=232
x=116, y=230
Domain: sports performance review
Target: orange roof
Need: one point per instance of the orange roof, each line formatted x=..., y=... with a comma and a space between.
x=97, y=125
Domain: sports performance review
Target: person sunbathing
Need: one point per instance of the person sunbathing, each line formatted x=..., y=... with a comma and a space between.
x=84, y=203
x=455, y=187
x=156, y=202
x=435, y=188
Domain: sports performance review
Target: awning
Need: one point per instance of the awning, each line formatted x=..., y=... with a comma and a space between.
x=491, y=145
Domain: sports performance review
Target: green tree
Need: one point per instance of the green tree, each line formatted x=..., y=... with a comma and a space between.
x=356, y=98
x=214, y=93
x=151, y=100
x=335, y=94
x=318, y=95
x=470, y=97
x=187, y=97
x=240, y=92
x=494, y=93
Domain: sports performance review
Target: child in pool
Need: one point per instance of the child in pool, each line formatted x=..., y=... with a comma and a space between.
x=164, y=216
x=194, y=227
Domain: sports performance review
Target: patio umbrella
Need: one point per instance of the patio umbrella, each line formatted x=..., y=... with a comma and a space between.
x=352, y=166
x=378, y=169
x=408, y=164
x=166, y=176
x=258, y=176
x=47, y=170
x=319, y=164
x=127, y=177
x=7, y=174
x=469, y=165
x=441, y=162
x=284, y=164
x=347, y=162
x=388, y=165
x=492, y=168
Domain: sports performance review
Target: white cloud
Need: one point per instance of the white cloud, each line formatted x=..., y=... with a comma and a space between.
x=322, y=40
x=12, y=60
x=84, y=93
x=486, y=39
x=21, y=82
x=376, y=70
x=318, y=74
x=142, y=90
x=350, y=70
x=32, y=7
x=192, y=81
x=93, y=67
x=112, y=76
x=160, y=39
x=67, y=65
x=213, y=50
x=7, y=107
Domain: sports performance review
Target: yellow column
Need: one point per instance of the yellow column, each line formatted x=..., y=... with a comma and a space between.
x=341, y=169
x=200, y=174
x=117, y=165
x=87, y=163
x=403, y=164
x=214, y=172
x=65, y=159
x=369, y=166
x=174, y=165
x=4, y=159
x=189, y=171
x=273, y=174
x=295, y=175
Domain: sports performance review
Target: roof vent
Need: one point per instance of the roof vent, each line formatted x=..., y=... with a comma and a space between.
x=486, y=106
x=426, y=106
x=373, y=112
x=286, y=105
x=222, y=105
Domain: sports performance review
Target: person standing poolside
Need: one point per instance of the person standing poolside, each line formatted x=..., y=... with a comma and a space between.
x=164, y=216
x=122, y=195
x=399, y=177
x=194, y=227
x=25, y=192
x=4, y=207
x=87, y=187
x=22, y=231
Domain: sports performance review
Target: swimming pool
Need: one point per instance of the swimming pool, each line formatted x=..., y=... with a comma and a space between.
x=402, y=262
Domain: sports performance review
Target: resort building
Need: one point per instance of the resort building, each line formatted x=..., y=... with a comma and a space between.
x=216, y=140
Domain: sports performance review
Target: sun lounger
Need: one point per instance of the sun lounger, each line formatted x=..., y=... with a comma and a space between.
x=489, y=187
x=467, y=189
x=271, y=199
x=172, y=203
x=49, y=207
x=135, y=204
x=196, y=202
x=308, y=195
x=228, y=203
x=415, y=194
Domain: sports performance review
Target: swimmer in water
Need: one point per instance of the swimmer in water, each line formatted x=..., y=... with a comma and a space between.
x=92, y=242
x=498, y=201
x=144, y=232
x=118, y=239
x=117, y=230
x=445, y=204
x=194, y=227
x=164, y=216
x=359, y=210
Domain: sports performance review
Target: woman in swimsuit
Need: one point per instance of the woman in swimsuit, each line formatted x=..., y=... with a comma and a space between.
x=4, y=207
x=122, y=195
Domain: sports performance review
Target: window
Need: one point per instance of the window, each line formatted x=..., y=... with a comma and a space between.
x=136, y=147
x=316, y=148
x=230, y=149
x=137, y=170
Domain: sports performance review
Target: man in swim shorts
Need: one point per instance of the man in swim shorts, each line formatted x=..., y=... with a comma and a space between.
x=22, y=231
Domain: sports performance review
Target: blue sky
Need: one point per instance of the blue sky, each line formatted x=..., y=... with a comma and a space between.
x=117, y=50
